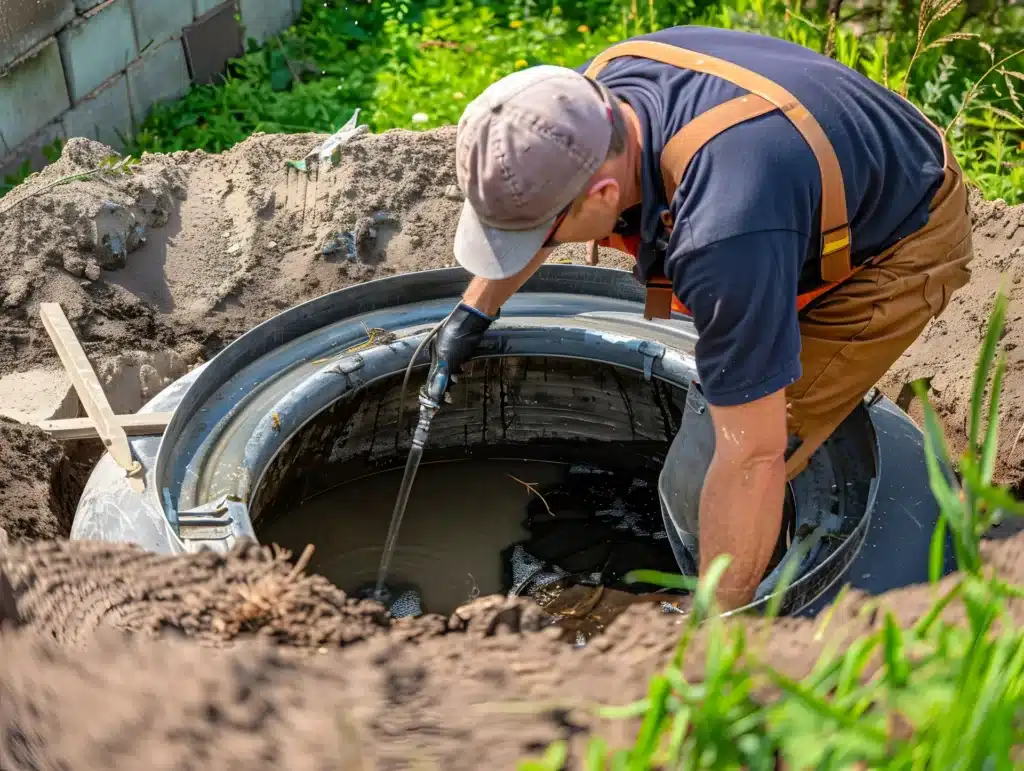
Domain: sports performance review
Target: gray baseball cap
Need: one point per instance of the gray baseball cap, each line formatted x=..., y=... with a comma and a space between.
x=524, y=150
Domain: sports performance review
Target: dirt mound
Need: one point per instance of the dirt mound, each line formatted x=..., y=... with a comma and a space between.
x=39, y=486
x=946, y=352
x=197, y=248
x=67, y=590
x=483, y=695
x=189, y=250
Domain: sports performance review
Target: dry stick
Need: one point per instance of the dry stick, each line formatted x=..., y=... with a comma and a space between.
x=307, y=555
x=833, y=23
x=288, y=62
x=529, y=486
x=45, y=188
x=1016, y=439
x=885, y=61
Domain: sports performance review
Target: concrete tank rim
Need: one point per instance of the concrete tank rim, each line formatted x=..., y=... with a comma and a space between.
x=444, y=282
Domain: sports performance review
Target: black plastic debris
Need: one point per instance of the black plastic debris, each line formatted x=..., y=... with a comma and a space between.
x=590, y=529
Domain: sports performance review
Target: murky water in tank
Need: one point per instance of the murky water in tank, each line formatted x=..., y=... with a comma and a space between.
x=459, y=518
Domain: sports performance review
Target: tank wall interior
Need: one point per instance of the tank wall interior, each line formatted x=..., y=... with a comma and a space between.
x=541, y=408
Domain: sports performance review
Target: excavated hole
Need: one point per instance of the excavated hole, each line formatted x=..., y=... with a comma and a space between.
x=539, y=479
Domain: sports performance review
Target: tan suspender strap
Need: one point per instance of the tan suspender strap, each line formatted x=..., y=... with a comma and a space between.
x=681, y=148
x=658, y=302
x=835, y=231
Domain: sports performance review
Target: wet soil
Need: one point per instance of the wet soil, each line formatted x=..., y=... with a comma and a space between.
x=108, y=654
x=38, y=484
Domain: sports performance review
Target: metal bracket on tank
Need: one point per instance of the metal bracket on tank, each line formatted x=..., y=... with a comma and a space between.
x=651, y=351
x=215, y=525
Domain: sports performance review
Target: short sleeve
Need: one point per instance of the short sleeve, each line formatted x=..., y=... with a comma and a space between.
x=742, y=294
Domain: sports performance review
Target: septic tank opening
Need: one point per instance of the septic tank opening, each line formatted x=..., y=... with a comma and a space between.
x=539, y=479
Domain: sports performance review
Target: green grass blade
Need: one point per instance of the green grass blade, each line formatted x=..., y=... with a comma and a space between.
x=704, y=597
x=989, y=446
x=659, y=578
x=896, y=668
x=677, y=738
x=856, y=658
x=624, y=711
x=553, y=760
x=984, y=367
x=597, y=752
x=936, y=452
x=924, y=624
x=825, y=710
x=937, y=552
x=653, y=725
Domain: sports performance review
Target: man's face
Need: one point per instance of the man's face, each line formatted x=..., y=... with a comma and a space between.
x=593, y=215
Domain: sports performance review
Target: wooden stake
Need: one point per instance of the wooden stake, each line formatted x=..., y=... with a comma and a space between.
x=90, y=391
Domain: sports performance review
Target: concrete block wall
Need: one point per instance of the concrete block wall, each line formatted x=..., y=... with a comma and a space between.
x=95, y=68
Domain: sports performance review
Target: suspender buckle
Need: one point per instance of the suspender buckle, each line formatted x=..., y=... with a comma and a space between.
x=658, y=304
x=835, y=254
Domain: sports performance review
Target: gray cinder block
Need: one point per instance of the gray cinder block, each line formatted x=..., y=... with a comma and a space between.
x=159, y=75
x=157, y=21
x=97, y=46
x=23, y=25
x=32, y=94
x=105, y=114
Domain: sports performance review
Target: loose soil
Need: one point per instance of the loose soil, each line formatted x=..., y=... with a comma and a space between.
x=244, y=660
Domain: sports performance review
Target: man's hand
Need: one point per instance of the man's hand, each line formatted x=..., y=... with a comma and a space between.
x=454, y=345
x=461, y=333
x=741, y=503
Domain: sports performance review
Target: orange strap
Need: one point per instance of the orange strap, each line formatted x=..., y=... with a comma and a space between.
x=835, y=230
x=682, y=147
x=661, y=301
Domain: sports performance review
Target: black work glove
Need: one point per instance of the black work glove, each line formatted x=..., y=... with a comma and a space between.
x=453, y=346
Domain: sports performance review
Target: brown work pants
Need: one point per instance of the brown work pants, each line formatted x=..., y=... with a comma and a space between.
x=851, y=336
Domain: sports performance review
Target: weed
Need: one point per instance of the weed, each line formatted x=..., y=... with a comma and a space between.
x=112, y=164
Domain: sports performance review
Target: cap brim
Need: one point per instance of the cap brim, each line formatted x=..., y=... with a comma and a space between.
x=491, y=253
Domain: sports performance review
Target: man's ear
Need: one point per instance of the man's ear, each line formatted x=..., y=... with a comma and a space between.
x=605, y=192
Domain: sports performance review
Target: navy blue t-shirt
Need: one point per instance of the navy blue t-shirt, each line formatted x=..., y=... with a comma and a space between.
x=746, y=213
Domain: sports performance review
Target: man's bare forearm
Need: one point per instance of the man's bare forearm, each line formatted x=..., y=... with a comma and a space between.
x=488, y=295
x=740, y=515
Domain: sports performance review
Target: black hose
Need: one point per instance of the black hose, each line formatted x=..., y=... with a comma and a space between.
x=408, y=371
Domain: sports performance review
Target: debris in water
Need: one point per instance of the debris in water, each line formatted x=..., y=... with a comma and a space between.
x=407, y=604
x=581, y=547
x=401, y=600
